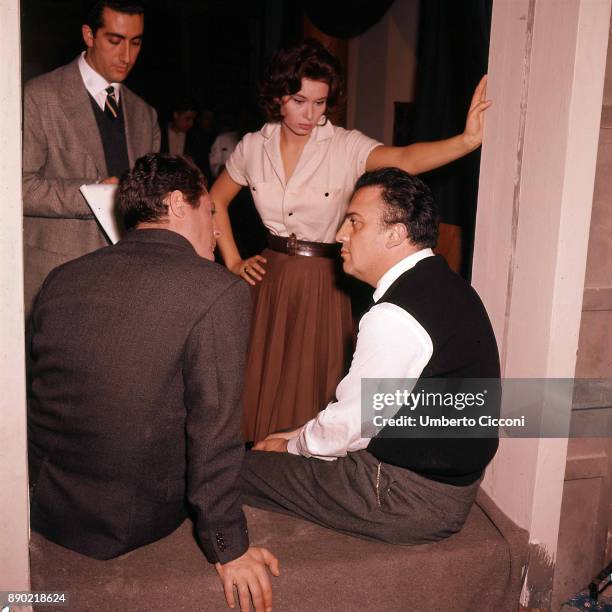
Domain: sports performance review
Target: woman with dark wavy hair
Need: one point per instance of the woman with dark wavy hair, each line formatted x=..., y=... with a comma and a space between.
x=301, y=171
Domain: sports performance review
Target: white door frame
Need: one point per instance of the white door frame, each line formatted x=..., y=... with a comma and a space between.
x=14, y=558
x=546, y=65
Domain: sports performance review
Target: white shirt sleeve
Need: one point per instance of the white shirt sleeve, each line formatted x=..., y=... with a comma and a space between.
x=357, y=147
x=236, y=164
x=391, y=344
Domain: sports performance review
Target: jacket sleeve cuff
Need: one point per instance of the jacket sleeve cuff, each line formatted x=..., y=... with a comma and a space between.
x=225, y=543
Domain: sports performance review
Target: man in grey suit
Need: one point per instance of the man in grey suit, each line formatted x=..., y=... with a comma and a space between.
x=81, y=125
x=138, y=351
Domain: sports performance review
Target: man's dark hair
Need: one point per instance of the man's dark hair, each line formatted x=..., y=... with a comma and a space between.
x=308, y=59
x=141, y=192
x=408, y=201
x=93, y=14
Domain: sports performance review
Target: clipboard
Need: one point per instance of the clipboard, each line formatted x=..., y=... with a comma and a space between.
x=101, y=199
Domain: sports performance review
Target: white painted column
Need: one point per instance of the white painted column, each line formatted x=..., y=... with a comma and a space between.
x=546, y=73
x=14, y=560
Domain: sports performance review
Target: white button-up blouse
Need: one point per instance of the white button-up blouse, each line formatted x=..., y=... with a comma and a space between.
x=312, y=203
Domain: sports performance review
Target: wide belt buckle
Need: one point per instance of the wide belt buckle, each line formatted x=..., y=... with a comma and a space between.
x=292, y=244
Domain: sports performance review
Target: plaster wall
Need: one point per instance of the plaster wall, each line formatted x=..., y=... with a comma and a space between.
x=382, y=70
x=14, y=569
x=585, y=535
x=595, y=348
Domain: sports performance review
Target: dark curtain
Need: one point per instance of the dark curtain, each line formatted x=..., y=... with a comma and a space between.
x=452, y=56
x=345, y=18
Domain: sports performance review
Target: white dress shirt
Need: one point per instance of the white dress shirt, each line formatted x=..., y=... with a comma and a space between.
x=391, y=344
x=95, y=83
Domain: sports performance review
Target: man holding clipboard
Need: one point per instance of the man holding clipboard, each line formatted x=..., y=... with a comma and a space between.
x=81, y=126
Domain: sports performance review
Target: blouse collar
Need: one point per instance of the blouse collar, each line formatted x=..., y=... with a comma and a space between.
x=320, y=132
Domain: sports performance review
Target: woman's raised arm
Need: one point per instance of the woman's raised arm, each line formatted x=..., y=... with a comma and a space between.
x=423, y=156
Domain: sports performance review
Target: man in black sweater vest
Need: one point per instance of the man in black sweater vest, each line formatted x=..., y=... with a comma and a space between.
x=426, y=324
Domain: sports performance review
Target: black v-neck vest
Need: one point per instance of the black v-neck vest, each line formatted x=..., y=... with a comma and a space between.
x=464, y=347
x=112, y=133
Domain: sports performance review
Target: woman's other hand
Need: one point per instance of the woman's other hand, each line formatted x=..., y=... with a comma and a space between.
x=250, y=269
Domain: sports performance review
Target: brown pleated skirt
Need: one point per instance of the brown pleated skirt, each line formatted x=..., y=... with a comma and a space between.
x=300, y=345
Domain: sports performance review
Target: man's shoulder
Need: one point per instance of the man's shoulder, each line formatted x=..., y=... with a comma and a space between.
x=209, y=273
x=431, y=284
x=174, y=261
x=55, y=79
x=198, y=284
x=430, y=271
x=211, y=283
x=188, y=277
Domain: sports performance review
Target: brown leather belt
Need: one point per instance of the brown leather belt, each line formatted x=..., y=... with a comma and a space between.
x=292, y=246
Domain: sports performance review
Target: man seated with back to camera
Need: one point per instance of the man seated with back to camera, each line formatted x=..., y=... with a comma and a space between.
x=426, y=323
x=138, y=352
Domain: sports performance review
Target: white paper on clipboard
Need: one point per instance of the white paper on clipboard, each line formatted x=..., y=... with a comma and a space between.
x=101, y=200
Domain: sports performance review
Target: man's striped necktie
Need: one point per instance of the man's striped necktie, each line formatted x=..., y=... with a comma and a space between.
x=111, y=107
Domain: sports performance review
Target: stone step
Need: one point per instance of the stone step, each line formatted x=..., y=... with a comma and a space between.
x=321, y=570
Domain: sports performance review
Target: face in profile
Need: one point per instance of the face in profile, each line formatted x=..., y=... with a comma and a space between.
x=113, y=50
x=203, y=230
x=363, y=236
x=302, y=111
